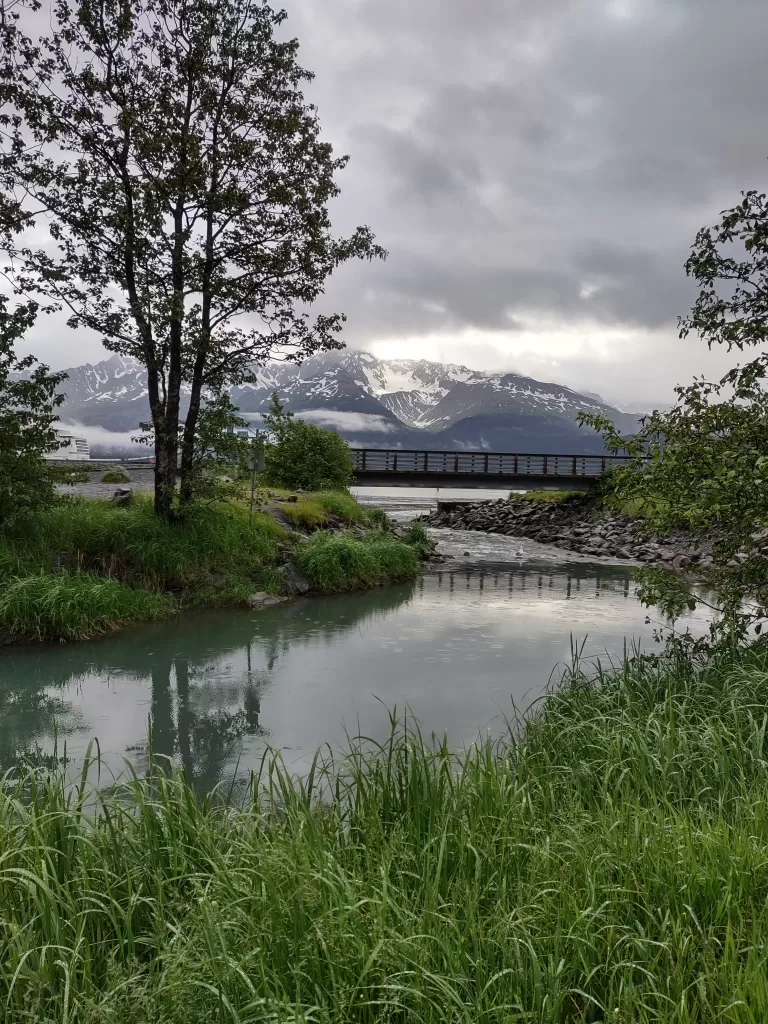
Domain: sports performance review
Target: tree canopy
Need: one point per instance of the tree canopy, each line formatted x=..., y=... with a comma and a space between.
x=167, y=148
x=28, y=411
x=704, y=465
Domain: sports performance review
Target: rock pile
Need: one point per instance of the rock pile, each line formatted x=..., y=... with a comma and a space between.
x=575, y=524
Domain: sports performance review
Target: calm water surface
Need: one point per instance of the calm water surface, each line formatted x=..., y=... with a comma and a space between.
x=460, y=648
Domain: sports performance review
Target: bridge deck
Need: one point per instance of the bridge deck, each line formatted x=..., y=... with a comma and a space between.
x=379, y=467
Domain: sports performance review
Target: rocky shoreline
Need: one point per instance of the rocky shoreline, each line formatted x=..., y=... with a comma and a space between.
x=576, y=524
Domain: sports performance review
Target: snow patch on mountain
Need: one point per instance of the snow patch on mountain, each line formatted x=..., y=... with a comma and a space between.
x=399, y=394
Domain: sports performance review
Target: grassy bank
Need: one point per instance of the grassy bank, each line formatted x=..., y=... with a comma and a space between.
x=83, y=567
x=545, y=496
x=609, y=866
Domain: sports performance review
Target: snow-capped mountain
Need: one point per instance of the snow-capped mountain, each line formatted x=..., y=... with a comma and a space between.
x=405, y=402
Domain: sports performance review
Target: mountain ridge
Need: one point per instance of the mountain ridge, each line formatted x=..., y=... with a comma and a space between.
x=370, y=401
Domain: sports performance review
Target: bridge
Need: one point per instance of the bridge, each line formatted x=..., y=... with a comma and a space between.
x=379, y=467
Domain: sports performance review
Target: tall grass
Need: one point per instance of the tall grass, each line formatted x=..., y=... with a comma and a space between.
x=135, y=544
x=341, y=504
x=607, y=863
x=89, y=561
x=313, y=511
x=81, y=568
x=305, y=514
x=546, y=496
x=76, y=606
x=335, y=563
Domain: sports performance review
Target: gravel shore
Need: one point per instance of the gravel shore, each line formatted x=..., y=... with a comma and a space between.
x=575, y=524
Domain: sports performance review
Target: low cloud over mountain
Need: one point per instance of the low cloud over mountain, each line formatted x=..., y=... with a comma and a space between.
x=371, y=402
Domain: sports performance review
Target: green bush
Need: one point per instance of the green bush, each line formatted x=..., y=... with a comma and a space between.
x=115, y=476
x=302, y=456
x=308, y=459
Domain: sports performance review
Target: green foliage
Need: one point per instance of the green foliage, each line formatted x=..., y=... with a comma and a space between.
x=132, y=544
x=605, y=863
x=217, y=452
x=378, y=518
x=340, y=562
x=28, y=405
x=303, y=456
x=115, y=476
x=305, y=513
x=416, y=536
x=52, y=565
x=77, y=606
x=545, y=496
x=342, y=505
x=278, y=420
x=704, y=465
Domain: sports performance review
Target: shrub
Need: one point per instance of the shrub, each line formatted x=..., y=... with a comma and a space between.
x=115, y=476
x=28, y=404
x=303, y=456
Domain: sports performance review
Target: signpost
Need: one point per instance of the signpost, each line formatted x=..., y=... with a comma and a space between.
x=255, y=462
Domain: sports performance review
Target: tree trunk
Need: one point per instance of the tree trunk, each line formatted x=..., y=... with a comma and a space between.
x=165, y=466
x=186, y=494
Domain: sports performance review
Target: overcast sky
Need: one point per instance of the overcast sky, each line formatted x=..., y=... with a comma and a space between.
x=537, y=170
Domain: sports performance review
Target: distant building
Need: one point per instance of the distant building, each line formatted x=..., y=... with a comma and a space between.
x=249, y=432
x=72, y=448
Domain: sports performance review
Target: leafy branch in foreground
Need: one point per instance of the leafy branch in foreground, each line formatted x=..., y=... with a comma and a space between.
x=703, y=466
x=28, y=404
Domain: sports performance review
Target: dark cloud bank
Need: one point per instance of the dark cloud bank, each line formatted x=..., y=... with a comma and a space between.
x=535, y=167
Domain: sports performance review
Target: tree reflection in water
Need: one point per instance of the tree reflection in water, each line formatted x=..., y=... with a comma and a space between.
x=195, y=719
x=204, y=695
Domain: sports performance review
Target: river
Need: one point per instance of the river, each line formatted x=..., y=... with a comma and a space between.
x=460, y=649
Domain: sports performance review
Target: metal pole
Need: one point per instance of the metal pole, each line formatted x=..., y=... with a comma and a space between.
x=256, y=465
x=253, y=486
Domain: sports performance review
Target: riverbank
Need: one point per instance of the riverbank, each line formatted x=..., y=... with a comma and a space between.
x=609, y=864
x=83, y=567
x=574, y=523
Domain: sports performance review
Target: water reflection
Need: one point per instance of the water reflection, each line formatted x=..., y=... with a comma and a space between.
x=198, y=707
x=456, y=647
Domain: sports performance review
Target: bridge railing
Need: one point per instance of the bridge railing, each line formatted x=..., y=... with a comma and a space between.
x=379, y=460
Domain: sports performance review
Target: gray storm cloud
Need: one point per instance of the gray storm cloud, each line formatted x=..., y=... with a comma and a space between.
x=528, y=160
